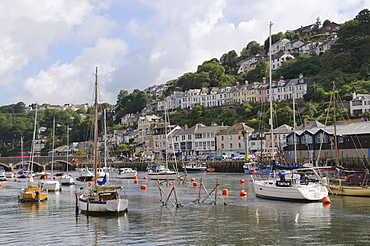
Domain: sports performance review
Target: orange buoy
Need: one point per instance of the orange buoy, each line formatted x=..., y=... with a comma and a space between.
x=14, y=176
x=26, y=173
x=145, y=177
x=70, y=175
x=192, y=179
x=1, y=185
x=326, y=200
x=135, y=177
x=92, y=179
x=136, y=181
x=181, y=179
x=44, y=177
x=254, y=171
x=242, y=181
x=28, y=176
x=195, y=183
x=242, y=193
x=225, y=192
x=142, y=187
x=15, y=180
x=54, y=177
x=6, y=179
x=55, y=174
x=89, y=184
x=171, y=184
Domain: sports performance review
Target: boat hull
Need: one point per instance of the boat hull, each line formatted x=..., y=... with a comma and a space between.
x=32, y=194
x=344, y=190
x=305, y=193
x=66, y=180
x=195, y=169
x=110, y=206
x=162, y=175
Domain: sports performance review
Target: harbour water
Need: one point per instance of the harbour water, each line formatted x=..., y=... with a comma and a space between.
x=233, y=220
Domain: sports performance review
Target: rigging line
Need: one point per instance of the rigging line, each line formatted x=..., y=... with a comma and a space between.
x=360, y=150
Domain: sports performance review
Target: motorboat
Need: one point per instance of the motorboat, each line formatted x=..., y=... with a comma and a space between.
x=195, y=167
x=126, y=173
x=161, y=172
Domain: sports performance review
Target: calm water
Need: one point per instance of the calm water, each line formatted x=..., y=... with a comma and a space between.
x=243, y=221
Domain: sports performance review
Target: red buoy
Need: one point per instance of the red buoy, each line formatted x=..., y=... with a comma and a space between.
x=15, y=180
x=142, y=187
x=195, y=183
x=192, y=179
x=145, y=177
x=225, y=192
x=136, y=181
x=89, y=184
x=135, y=177
x=326, y=200
x=242, y=193
x=242, y=181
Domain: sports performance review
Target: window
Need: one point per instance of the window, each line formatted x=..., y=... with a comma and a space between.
x=307, y=139
x=198, y=135
x=231, y=145
x=321, y=138
x=222, y=146
x=222, y=138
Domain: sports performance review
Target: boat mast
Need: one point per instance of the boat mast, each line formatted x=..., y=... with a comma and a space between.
x=294, y=126
x=270, y=80
x=52, y=148
x=96, y=130
x=335, y=127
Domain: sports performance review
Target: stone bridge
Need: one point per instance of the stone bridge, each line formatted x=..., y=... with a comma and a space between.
x=41, y=163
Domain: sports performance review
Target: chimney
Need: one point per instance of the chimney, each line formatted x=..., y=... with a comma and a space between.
x=264, y=80
x=185, y=127
x=300, y=75
x=246, y=82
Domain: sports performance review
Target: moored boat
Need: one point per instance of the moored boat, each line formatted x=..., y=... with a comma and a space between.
x=291, y=185
x=101, y=199
x=195, y=167
x=126, y=173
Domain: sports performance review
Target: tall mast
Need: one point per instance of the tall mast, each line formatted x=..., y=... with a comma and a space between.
x=96, y=130
x=335, y=127
x=294, y=126
x=270, y=80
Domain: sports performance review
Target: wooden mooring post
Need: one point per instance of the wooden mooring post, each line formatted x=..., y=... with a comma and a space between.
x=168, y=200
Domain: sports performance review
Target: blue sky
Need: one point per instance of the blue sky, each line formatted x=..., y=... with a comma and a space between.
x=49, y=49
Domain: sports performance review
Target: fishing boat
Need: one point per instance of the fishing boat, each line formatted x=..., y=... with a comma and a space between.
x=2, y=176
x=101, y=199
x=195, y=167
x=126, y=173
x=32, y=192
x=288, y=185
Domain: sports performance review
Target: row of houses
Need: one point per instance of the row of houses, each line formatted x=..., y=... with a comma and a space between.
x=311, y=140
x=282, y=51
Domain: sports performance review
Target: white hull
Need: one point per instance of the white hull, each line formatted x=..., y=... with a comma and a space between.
x=162, y=175
x=296, y=192
x=66, y=180
x=127, y=175
x=116, y=205
x=50, y=185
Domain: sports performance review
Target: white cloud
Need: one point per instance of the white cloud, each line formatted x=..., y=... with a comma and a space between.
x=55, y=45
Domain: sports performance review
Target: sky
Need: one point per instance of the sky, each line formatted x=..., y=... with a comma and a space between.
x=49, y=49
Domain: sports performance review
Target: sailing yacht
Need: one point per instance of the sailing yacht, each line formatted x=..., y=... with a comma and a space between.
x=32, y=192
x=288, y=185
x=100, y=198
x=161, y=171
x=66, y=179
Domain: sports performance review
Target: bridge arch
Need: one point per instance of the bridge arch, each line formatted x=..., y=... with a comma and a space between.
x=6, y=167
x=59, y=165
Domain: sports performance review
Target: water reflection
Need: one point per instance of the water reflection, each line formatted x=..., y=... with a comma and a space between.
x=32, y=209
